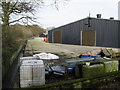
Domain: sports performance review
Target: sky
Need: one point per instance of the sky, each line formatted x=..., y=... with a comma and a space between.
x=74, y=10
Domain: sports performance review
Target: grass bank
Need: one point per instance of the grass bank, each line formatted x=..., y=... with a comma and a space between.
x=12, y=37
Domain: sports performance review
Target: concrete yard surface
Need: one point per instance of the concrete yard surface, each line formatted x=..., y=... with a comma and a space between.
x=38, y=45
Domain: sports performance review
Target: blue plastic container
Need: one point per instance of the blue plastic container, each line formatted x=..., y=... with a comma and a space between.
x=71, y=66
x=33, y=37
x=83, y=56
x=95, y=56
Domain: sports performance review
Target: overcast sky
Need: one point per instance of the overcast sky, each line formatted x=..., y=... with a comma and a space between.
x=75, y=10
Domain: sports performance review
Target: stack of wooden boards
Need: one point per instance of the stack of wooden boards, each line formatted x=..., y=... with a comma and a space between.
x=103, y=52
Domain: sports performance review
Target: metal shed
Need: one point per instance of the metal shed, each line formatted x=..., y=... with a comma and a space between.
x=89, y=32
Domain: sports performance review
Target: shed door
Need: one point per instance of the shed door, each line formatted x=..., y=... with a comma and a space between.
x=89, y=38
x=57, y=37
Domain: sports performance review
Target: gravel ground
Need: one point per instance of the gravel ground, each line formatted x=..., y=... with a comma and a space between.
x=38, y=45
x=69, y=51
x=64, y=51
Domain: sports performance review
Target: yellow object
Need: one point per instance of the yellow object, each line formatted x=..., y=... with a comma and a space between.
x=115, y=55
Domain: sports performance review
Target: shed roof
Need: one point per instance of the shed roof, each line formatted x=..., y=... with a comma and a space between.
x=87, y=18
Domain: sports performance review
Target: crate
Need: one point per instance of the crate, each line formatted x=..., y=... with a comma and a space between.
x=32, y=72
x=92, y=70
x=111, y=66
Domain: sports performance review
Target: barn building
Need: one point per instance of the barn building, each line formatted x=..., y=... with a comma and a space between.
x=88, y=32
x=119, y=10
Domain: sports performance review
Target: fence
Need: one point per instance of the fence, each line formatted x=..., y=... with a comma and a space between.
x=91, y=82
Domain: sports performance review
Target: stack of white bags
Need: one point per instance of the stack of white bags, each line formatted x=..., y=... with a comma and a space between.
x=46, y=56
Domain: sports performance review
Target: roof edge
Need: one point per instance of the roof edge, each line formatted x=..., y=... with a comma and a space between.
x=84, y=19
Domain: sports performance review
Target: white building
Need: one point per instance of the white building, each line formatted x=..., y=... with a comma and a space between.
x=119, y=10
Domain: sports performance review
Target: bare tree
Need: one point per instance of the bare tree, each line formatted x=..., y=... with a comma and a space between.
x=16, y=8
x=24, y=10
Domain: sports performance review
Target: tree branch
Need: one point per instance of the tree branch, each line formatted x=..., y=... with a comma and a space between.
x=11, y=10
x=20, y=19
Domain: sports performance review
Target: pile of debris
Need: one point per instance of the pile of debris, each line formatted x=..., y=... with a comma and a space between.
x=70, y=66
x=33, y=69
x=104, y=53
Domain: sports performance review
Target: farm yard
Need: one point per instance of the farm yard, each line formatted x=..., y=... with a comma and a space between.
x=60, y=49
x=72, y=62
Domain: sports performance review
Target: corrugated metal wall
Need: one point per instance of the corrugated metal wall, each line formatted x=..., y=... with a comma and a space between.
x=107, y=32
x=119, y=35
